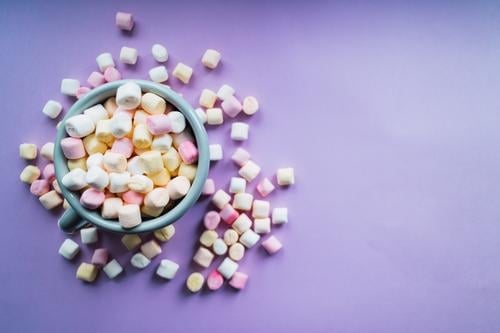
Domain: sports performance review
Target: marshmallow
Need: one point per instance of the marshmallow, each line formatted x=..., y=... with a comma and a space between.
x=89, y=235
x=208, y=237
x=177, y=121
x=114, y=162
x=104, y=60
x=220, y=199
x=123, y=146
x=285, y=176
x=237, y=185
x=152, y=162
x=140, y=184
x=131, y=241
x=165, y=234
x=225, y=91
x=210, y=58
x=66, y=204
x=242, y=223
x=183, y=72
x=73, y=148
x=194, y=282
x=96, y=79
x=178, y=187
x=140, y=117
x=280, y=215
x=158, y=74
x=265, y=187
x=94, y=160
x=87, y=272
x=100, y=257
x=178, y=138
x=28, y=151
x=128, y=55
x=92, y=145
x=77, y=164
x=118, y=182
x=120, y=125
x=211, y=220
x=97, y=178
x=128, y=95
x=157, y=198
x=124, y=21
x=47, y=151
x=139, y=261
x=112, y=74
x=110, y=208
x=162, y=143
x=132, y=197
x=69, y=249
x=203, y=257
x=227, y=268
x=110, y=105
x=214, y=280
x=188, y=171
x=207, y=98
x=49, y=172
x=103, y=131
x=167, y=269
x=240, y=157
x=69, y=86
x=202, y=116
x=243, y=201
x=250, y=105
x=208, y=187
x=238, y=281
x=228, y=213
x=75, y=179
x=129, y=216
x=249, y=170
x=142, y=138
x=55, y=186
x=92, y=198
x=214, y=116
x=272, y=245
x=52, y=109
x=153, y=104
x=134, y=166
x=158, y=124
x=260, y=209
x=215, y=152
x=150, y=249
x=236, y=251
x=79, y=126
x=249, y=238
x=39, y=187
x=160, y=178
x=96, y=113
x=151, y=211
x=231, y=106
x=50, y=200
x=188, y=152
x=219, y=247
x=230, y=237
x=82, y=91
x=239, y=131
x=112, y=269
x=159, y=52
x=262, y=225
x=172, y=160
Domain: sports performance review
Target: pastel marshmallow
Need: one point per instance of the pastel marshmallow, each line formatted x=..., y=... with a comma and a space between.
x=158, y=124
x=214, y=280
x=118, y=182
x=92, y=198
x=285, y=176
x=150, y=249
x=28, y=151
x=272, y=244
x=188, y=171
x=203, y=257
x=103, y=131
x=92, y=145
x=159, y=52
x=123, y=146
x=128, y=95
x=80, y=92
x=183, y=72
x=243, y=201
x=39, y=187
x=158, y=74
x=49, y=172
x=69, y=249
x=131, y=241
x=153, y=104
x=208, y=237
x=178, y=187
x=110, y=207
x=161, y=178
x=177, y=121
x=96, y=79
x=112, y=74
x=112, y=269
x=211, y=220
x=225, y=91
x=262, y=225
x=165, y=234
x=220, y=199
x=114, y=162
x=87, y=272
x=69, y=87
x=157, y=198
x=162, y=143
x=194, y=282
x=219, y=247
x=228, y=213
x=208, y=187
x=215, y=151
x=50, y=200
x=239, y=131
x=237, y=185
x=249, y=238
x=242, y=223
x=97, y=178
x=89, y=235
x=211, y=58
x=133, y=198
x=202, y=116
x=52, y=109
x=104, y=60
x=139, y=261
x=280, y=215
x=79, y=126
x=231, y=106
x=134, y=166
x=56, y=187
x=75, y=179
x=140, y=184
x=227, y=268
x=142, y=138
x=47, y=151
x=128, y=55
x=78, y=163
x=120, y=125
x=236, y=251
x=129, y=216
x=167, y=269
x=260, y=209
x=239, y=280
x=265, y=187
x=207, y=98
x=250, y=105
x=110, y=105
x=100, y=257
x=214, y=116
x=96, y=113
x=124, y=21
x=152, y=162
x=240, y=156
x=188, y=152
x=250, y=170
x=230, y=237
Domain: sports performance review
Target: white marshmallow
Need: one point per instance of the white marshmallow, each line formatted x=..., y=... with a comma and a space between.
x=159, y=52
x=139, y=261
x=183, y=72
x=129, y=216
x=96, y=113
x=216, y=153
x=227, y=268
x=47, y=151
x=285, y=176
x=128, y=95
x=75, y=179
x=225, y=91
x=249, y=238
x=262, y=226
x=118, y=182
x=110, y=207
x=250, y=105
x=239, y=131
x=207, y=98
x=237, y=185
x=260, y=209
x=128, y=55
x=249, y=171
x=104, y=60
x=69, y=249
x=177, y=121
x=79, y=126
x=140, y=184
x=69, y=87
x=97, y=178
x=280, y=215
x=220, y=199
x=114, y=162
x=240, y=156
x=89, y=235
x=202, y=116
x=158, y=74
x=50, y=200
x=52, y=109
x=178, y=187
x=120, y=125
x=214, y=116
x=167, y=269
x=157, y=198
x=112, y=269
x=134, y=166
x=219, y=247
x=243, y=201
x=242, y=223
x=95, y=160
x=162, y=143
x=211, y=58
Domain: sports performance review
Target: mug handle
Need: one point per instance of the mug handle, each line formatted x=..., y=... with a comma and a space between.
x=70, y=221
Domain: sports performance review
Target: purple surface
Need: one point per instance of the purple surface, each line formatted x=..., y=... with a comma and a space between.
x=389, y=113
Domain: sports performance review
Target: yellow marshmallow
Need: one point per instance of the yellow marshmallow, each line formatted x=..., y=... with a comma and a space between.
x=103, y=131
x=152, y=162
x=93, y=145
x=151, y=211
x=142, y=138
x=86, y=272
x=140, y=117
x=110, y=106
x=188, y=171
x=161, y=178
x=29, y=174
x=28, y=151
x=171, y=160
x=50, y=200
x=78, y=163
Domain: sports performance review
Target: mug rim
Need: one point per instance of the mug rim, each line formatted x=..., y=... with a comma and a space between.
x=98, y=95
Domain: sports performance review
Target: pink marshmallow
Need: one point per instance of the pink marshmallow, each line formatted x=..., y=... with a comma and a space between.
x=265, y=187
x=214, y=280
x=239, y=280
x=40, y=187
x=130, y=113
x=188, y=152
x=82, y=91
x=159, y=124
x=231, y=106
x=211, y=220
x=72, y=148
x=133, y=198
x=272, y=245
x=123, y=146
x=124, y=21
x=95, y=79
x=100, y=257
x=112, y=74
x=49, y=172
x=208, y=187
x=92, y=198
x=240, y=156
x=228, y=214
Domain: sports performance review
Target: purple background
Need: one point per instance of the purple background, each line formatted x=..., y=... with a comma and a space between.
x=389, y=113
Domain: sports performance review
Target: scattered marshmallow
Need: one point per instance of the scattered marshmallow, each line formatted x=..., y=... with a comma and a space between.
x=96, y=79
x=104, y=60
x=260, y=209
x=165, y=234
x=39, y=187
x=69, y=249
x=52, y=109
x=237, y=185
x=183, y=72
x=215, y=152
x=211, y=220
x=230, y=237
x=280, y=215
x=249, y=170
x=265, y=187
x=240, y=156
x=47, y=151
x=128, y=55
x=50, y=200
x=249, y=238
x=214, y=116
x=167, y=269
x=219, y=247
x=112, y=74
x=231, y=106
x=272, y=245
x=208, y=237
x=89, y=235
x=203, y=257
x=139, y=261
x=208, y=187
x=285, y=176
x=159, y=52
x=228, y=213
x=69, y=87
x=262, y=225
x=202, y=116
x=113, y=269
x=227, y=268
x=236, y=251
x=28, y=151
x=250, y=105
x=100, y=257
x=194, y=282
x=87, y=272
x=124, y=21
x=75, y=180
x=158, y=74
x=220, y=199
x=131, y=241
x=243, y=201
x=211, y=58
x=242, y=223
x=207, y=98
x=225, y=91
x=239, y=280
x=150, y=249
x=214, y=280
x=239, y=131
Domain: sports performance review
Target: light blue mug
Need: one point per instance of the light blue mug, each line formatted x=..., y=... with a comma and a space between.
x=76, y=216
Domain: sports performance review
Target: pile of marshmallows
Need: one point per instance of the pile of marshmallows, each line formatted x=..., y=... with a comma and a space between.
x=133, y=156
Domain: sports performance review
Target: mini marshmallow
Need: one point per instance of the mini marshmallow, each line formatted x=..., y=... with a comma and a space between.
x=262, y=225
x=118, y=182
x=50, y=200
x=214, y=280
x=152, y=162
x=39, y=187
x=158, y=74
x=103, y=131
x=208, y=187
x=153, y=104
x=183, y=72
x=124, y=21
x=203, y=257
x=113, y=269
x=77, y=164
x=215, y=152
x=92, y=145
x=228, y=213
x=225, y=91
x=272, y=245
x=242, y=223
x=211, y=220
x=220, y=199
x=110, y=105
x=52, y=109
x=265, y=187
x=165, y=234
x=131, y=241
x=150, y=249
x=89, y=235
x=82, y=91
x=260, y=209
x=172, y=160
x=87, y=272
x=188, y=152
x=231, y=106
x=157, y=198
x=158, y=124
x=92, y=198
x=243, y=201
x=177, y=121
x=97, y=178
x=161, y=178
x=110, y=208
x=120, y=125
x=162, y=143
x=142, y=138
x=250, y=105
x=114, y=162
x=249, y=238
x=249, y=170
x=178, y=187
x=239, y=280
x=207, y=98
x=128, y=95
x=194, y=282
x=230, y=237
x=214, y=116
x=188, y=171
x=69, y=86
x=285, y=176
x=133, y=198
x=239, y=131
x=151, y=211
x=79, y=126
x=128, y=55
x=219, y=247
x=236, y=251
x=140, y=184
x=47, y=151
x=129, y=216
x=75, y=179
x=28, y=151
x=240, y=157
x=280, y=215
x=96, y=113
x=69, y=249
x=123, y=146
x=112, y=74
x=167, y=269
x=227, y=268
x=49, y=172
x=104, y=60
x=159, y=52
x=100, y=257
x=134, y=166
x=202, y=116
x=237, y=185
x=55, y=186
x=210, y=58
x=139, y=261
x=208, y=237
x=96, y=79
